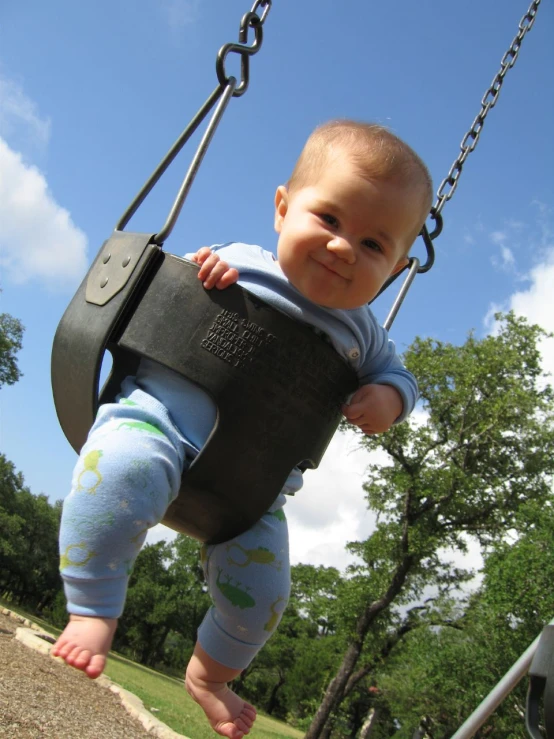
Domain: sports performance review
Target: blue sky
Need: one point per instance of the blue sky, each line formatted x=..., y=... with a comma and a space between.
x=93, y=94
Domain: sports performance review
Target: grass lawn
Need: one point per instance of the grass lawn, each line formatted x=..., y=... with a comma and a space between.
x=176, y=708
x=168, y=695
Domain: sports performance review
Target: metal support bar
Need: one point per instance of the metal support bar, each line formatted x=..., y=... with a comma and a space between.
x=414, y=267
x=498, y=693
x=169, y=157
x=195, y=164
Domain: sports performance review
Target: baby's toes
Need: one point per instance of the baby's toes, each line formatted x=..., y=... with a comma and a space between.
x=230, y=730
x=250, y=711
x=62, y=649
x=248, y=715
x=242, y=726
x=96, y=666
x=74, y=655
x=80, y=658
x=245, y=721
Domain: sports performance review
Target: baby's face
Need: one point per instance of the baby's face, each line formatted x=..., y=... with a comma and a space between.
x=342, y=237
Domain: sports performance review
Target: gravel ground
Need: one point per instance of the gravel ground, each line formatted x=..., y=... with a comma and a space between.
x=40, y=697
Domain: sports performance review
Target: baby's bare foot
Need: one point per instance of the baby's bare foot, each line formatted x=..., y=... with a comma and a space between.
x=85, y=643
x=228, y=714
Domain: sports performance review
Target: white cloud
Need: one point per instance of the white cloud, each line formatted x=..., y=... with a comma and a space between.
x=536, y=303
x=490, y=323
x=498, y=237
x=508, y=261
x=331, y=508
x=472, y=559
x=160, y=533
x=38, y=239
x=180, y=13
x=18, y=113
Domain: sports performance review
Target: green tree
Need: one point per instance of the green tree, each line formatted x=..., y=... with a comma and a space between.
x=443, y=673
x=483, y=452
x=29, y=527
x=11, y=334
x=189, y=598
x=166, y=601
x=145, y=623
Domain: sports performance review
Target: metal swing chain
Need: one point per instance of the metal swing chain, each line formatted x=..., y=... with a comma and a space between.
x=226, y=89
x=248, y=20
x=469, y=142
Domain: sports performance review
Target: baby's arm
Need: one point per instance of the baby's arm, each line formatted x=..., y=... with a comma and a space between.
x=214, y=272
x=388, y=391
x=374, y=408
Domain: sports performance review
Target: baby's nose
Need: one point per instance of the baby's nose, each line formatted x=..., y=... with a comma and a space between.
x=342, y=248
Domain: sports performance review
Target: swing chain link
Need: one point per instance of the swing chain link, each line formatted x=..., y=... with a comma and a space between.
x=469, y=142
x=248, y=20
x=266, y=5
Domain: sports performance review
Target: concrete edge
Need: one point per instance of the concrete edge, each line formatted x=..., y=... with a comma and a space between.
x=32, y=636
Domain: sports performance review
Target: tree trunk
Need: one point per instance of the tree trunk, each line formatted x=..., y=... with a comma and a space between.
x=272, y=702
x=335, y=692
x=370, y=724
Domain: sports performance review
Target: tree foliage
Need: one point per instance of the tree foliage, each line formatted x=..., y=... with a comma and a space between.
x=166, y=601
x=11, y=335
x=28, y=542
x=483, y=452
x=443, y=673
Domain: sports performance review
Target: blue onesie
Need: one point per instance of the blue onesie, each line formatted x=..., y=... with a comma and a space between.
x=130, y=468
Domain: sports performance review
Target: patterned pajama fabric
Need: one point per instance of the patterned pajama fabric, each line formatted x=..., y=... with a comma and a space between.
x=128, y=473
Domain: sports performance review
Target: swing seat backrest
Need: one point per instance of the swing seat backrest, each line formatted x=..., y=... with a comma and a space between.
x=277, y=385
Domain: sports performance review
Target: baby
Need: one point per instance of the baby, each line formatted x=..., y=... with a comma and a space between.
x=356, y=201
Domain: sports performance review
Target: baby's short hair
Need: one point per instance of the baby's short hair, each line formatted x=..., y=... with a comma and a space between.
x=376, y=150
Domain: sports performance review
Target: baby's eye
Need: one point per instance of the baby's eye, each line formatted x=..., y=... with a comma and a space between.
x=372, y=244
x=328, y=218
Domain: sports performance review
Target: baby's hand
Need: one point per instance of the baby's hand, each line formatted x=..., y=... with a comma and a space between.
x=374, y=408
x=213, y=271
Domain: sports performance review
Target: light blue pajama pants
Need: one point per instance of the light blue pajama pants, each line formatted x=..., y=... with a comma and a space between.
x=128, y=473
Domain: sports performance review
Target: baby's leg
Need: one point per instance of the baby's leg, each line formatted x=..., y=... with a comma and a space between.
x=128, y=472
x=249, y=581
x=206, y=682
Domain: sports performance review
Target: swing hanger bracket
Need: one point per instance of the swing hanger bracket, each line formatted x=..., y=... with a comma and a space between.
x=248, y=20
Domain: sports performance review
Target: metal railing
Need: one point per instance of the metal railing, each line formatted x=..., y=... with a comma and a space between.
x=489, y=705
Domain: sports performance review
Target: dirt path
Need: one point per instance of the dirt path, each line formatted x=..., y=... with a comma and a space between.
x=39, y=697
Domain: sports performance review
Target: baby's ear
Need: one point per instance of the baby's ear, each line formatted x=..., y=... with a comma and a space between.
x=400, y=265
x=281, y=207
